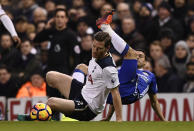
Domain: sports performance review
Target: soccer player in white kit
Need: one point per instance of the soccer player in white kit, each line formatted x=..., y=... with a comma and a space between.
x=9, y=25
x=85, y=102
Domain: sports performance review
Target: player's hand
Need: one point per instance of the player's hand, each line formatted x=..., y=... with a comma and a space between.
x=50, y=23
x=17, y=40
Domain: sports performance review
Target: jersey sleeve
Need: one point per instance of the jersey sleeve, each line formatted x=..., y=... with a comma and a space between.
x=2, y=12
x=153, y=86
x=111, y=77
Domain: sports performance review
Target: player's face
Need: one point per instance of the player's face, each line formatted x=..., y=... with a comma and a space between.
x=61, y=19
x=98, y=49
x=148, y=66
x=140, y=59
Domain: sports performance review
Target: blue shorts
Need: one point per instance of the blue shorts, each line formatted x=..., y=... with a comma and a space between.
x=127, y=79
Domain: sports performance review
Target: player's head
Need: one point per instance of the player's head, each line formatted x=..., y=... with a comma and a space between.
x=141, y=58
x=60, y=18
x=101, y=44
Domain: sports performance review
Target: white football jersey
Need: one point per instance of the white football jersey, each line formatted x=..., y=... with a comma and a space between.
x=1, y=11
x=102, y=76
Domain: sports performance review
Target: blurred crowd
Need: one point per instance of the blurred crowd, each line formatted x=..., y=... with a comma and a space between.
x=163, y=29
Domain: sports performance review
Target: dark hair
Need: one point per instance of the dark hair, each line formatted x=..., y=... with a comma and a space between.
x=103, y=37
x=3, y=66
x=190, y=64
x=5, y=34
x=157, y=43
x=167, y=33
x=142, y=50
x=85, y=35
x=60, y=9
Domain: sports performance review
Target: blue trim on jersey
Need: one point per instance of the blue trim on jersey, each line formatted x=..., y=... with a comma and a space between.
x=125, y=50
x=78, y=70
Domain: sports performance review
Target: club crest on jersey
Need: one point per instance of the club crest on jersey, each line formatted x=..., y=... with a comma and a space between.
x=90, y=79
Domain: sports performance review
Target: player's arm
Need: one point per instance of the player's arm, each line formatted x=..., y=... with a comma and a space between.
x=156, y=106
x=110, y=113
x=117, y=103
x=9, y=25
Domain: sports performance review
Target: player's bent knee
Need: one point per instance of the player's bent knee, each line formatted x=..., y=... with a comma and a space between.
x=51, y=102
x=50, y=76
x=83, y=68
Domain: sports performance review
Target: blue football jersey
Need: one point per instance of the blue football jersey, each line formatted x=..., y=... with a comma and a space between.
x=134, y=83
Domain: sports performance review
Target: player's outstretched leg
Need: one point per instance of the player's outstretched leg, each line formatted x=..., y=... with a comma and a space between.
x=119, y=44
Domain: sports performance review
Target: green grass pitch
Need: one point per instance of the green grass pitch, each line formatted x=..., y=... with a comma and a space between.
x=96, y=126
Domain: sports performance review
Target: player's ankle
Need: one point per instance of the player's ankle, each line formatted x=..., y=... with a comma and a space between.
x=105, y=27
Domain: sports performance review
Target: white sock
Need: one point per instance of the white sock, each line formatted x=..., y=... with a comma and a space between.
x=8, y=24
x=79, y=75
x=119, y=44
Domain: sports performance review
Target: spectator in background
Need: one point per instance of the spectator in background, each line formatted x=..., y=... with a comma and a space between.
x=50, y=7
x=83, y=27
x=27, y=8
x=8, y=53
x=180, y=10
x=181, y=57
x=9, y=85
x=39, y=14
x=86, y=49
x=189, y=85
x=167, y=40
x=35, y=87
x=190, y=41
x=40, y=26
x=156, y=4
x=192, y=55
x=190, y=28
x=107, y=7
x=26, y=62
x=167, y=80
x=63, y=45
x=131, y=35
x=95, y=7
x=123, y=11
x=156, y=52
x=144, y=20
x=136, y=7
x=165, y=19
x=21, y=25
x=78, y=3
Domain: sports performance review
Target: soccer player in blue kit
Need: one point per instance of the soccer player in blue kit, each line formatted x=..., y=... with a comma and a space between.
x=135, y=82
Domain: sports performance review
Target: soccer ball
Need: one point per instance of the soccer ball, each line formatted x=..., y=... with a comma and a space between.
x=41, y=112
